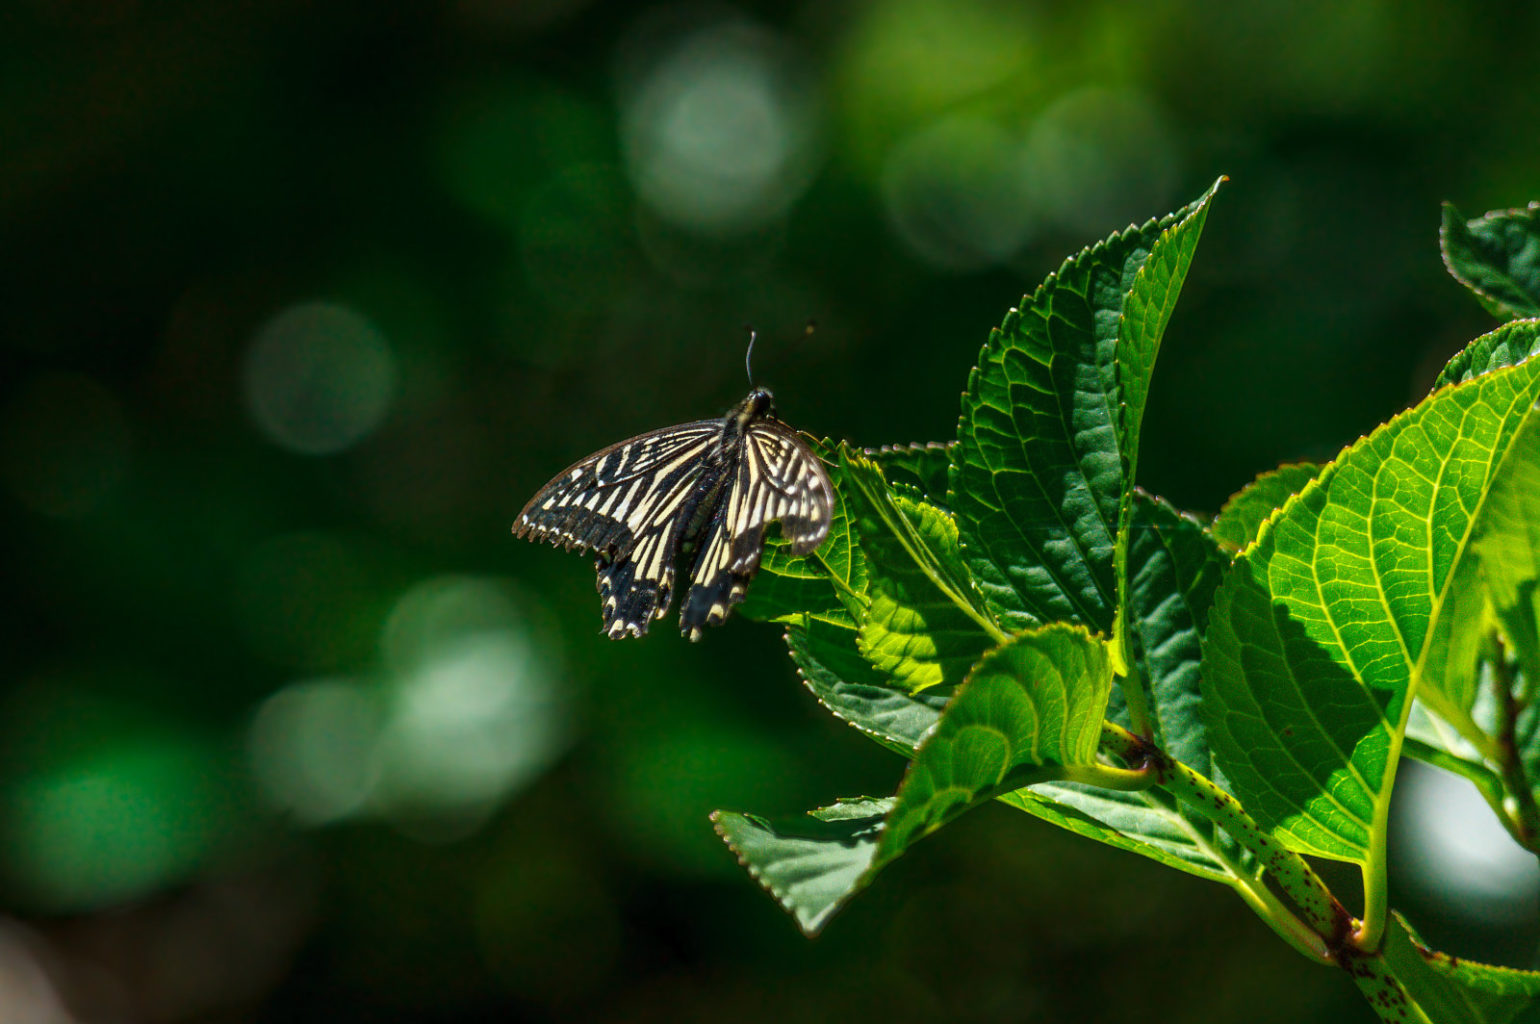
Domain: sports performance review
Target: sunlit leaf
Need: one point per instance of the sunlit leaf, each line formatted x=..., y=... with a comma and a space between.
x=846, y=683
x=1176, y=569
x=925, y=624
x=1497, y=571
x=1509, y=345
x=1493, y=588
x=1149, y=301
x=1241, y=519
x=813, y=864
x=925, y=467
x=1507, y=546
x=1045, y=445
x=1321, y=626
x=1146, y=823
x=1466, y=680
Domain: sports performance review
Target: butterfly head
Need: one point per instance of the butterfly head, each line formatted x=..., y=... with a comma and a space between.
x=758, y=405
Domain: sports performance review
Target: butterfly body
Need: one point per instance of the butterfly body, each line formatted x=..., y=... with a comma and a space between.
x=699, y=494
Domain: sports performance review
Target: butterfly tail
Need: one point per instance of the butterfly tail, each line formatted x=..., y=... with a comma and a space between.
x=636, y=588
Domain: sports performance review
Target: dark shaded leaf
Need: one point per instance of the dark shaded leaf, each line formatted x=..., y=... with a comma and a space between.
x=1496, y=256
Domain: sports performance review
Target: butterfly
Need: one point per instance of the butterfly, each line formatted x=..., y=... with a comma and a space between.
x=701, y=491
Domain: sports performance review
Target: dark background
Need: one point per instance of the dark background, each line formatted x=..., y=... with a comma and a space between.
x=301, y=301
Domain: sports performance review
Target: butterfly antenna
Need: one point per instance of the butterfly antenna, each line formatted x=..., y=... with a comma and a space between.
x=748, y=357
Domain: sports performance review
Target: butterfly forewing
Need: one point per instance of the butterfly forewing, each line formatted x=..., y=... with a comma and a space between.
x=624, y=503
x=708, y=487
x=797, y=490
x=602, y=501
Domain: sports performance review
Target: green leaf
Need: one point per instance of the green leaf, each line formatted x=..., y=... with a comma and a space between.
x=1467, y=681
x=1145, y=823
x=1147, y=308
x=1176, y=570
x=1496, y=256
x=1509, y=345
x=1527, y=743
x=1496, y=576
x=1453, y=990
x=1045, y=448
x=925, y=467
x=1036, y=699
x=1030, y=705
x=1494, y=586
x=811, y=865
x=1322, y=625
x=1507, y=547
x=1241, y=519
x=828, y=582
x=789, y=587
x=925, y=624
x=846, y=683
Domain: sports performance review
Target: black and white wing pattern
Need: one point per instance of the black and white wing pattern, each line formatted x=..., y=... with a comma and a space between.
x=777, y=477
x=629, y=503
x=704, y=489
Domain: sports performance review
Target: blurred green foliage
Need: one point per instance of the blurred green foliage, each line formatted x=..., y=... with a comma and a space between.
x=302, y=301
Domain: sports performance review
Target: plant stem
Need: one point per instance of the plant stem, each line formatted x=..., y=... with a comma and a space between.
x=1251, y=890
x=1382, y=988
x=1321, y=911
x=1105, y=776
x=1281, y=919
x=1129, y=679
x=1526, y=815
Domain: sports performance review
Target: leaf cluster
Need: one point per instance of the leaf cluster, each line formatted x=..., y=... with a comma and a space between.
x=1223, y=695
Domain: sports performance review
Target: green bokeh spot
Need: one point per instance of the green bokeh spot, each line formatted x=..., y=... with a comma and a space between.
x=136, y=814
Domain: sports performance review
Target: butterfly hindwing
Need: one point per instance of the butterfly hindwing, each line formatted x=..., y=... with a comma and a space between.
x=716, y=583
x=637, y=585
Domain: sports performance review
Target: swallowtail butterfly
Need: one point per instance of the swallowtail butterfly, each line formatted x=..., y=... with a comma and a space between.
x=701, y=491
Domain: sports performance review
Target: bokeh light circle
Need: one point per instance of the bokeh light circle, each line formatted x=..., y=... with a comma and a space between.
x=718, y=132
x=311, y=747
x=107, y=801
x=473, y=710
x=954, y=192
x=1459, y=854
x=319, y=378
x=1098, y=157
x=464, y=710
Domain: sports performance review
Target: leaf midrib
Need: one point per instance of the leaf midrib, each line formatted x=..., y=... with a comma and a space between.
x=903, y=532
